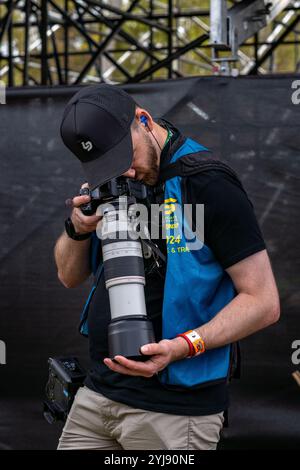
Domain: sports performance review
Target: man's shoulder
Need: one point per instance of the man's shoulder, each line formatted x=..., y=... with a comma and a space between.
x=212, y=183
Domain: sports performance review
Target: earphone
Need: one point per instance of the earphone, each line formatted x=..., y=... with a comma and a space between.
x=144, y=120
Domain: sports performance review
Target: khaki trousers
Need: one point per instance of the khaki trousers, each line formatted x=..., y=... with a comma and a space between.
x=97, y=423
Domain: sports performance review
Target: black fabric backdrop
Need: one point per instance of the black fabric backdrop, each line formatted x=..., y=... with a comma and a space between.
x=252, y=123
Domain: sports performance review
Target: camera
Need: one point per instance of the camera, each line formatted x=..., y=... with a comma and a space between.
x=66, y=376
x=123, y=263
x=113, y=189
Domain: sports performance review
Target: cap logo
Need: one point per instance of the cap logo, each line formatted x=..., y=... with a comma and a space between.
x=87, y=145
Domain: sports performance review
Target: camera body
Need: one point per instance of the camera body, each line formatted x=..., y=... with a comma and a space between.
x=113, y=189
x=66, y=376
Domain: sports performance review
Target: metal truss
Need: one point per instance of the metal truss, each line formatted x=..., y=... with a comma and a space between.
x=52, y=42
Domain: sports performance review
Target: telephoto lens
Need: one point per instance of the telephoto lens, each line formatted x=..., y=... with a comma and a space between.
x=129, y=328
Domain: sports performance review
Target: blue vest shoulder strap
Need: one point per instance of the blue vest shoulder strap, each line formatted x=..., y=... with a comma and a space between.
x=194, y=163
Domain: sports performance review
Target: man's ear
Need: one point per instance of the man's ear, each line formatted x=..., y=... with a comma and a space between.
x=144, y=119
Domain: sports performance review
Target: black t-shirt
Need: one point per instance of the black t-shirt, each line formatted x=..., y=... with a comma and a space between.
x=232, y=233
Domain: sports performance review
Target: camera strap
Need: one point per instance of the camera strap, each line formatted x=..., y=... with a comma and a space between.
x=154, y=248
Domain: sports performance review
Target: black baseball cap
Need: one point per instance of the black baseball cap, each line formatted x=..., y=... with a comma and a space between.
x=96, y=128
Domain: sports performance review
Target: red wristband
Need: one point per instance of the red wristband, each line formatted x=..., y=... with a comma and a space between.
x=195, y=342
x=191, y=347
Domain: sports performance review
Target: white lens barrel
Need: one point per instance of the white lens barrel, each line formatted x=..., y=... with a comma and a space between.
x=123, y=263
x=127, y=300
x=124, y=274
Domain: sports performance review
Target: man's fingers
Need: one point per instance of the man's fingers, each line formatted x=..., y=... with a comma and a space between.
x=141, y=368
x=152, y=348
x=118, y=368
x=89, y=220
x=84, y=223
x=79, y=200
x=133, y=365
x=127, y=367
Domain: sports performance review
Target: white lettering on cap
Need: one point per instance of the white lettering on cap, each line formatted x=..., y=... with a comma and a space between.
x=87, y=145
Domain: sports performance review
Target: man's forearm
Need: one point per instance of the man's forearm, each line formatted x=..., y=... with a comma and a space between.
x=243, y=316
x=72, y=260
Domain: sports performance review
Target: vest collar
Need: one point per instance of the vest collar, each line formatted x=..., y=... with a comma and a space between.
x=172, y=146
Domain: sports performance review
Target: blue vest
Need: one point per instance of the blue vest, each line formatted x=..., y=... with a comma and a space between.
x=196, y=288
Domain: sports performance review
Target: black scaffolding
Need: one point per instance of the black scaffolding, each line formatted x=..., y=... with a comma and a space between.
x=64, y=42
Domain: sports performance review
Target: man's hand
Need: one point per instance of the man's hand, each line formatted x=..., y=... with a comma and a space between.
x=162, y=354
x=83, y=223
x=72, y=256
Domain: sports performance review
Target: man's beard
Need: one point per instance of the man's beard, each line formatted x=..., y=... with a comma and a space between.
x=151, y=176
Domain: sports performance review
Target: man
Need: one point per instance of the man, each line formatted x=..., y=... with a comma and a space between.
x=211, y=296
